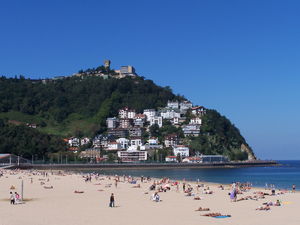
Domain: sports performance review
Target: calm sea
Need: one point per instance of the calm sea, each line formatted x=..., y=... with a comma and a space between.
x=281, y=176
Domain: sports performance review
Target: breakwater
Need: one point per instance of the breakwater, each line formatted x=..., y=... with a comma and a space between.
x=149, y=165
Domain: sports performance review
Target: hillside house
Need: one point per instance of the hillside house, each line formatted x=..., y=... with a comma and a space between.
x=101, y=141
x=136, y=141
x=198, y=111
x=135, y=132
x=149, y=113
x=156, y=120
x=84, y=141
x=184, y=106
x=171, y=159
x=181, y=150
x=191, y=130
x=153, y=141
x=173, y=105
x=74, y=142
x=196, y=120
x=112, y=122
x=118, y=132
x=169, y=113
x=126, y=113
x=124, y=142
x=171, y=140
x=113, y=146
x=139, y=120
x=125, y=123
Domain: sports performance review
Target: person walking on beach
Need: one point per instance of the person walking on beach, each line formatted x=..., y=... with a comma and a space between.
x=112, y=200
x=12, y=198
x=293, y=188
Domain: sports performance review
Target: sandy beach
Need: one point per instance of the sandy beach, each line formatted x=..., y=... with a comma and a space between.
x=59, y=205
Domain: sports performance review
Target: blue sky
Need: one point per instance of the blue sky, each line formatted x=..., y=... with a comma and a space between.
x=239, y=57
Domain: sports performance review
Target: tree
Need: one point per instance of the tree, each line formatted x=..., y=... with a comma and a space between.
x=154, y=130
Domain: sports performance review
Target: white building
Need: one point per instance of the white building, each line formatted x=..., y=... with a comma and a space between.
x=149, y=113
x=131, y=114
x=74, y=142
x=171, y=159
x=196, y=120
x=171, y=140
x=84, y=141
x=170, y=113
x=126, y=113
x=139, y=120
x=112, y=122
x=173, y=104
x=113, y=146
x=127, y=71
x=182, y=150
x=125, y=123
x=192, y=160
x=136, y=142
x=153, y=141
x=184, y=106
x=124, y=142
x=132, y=156
x=191, y=130
x=156, y=120
x=198, y=110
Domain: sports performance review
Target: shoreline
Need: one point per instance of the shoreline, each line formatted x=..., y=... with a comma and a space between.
x=149, y=165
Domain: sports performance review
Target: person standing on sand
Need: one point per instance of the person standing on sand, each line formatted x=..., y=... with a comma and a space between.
x=112, y=200
x=12, y=198
x=293, y=188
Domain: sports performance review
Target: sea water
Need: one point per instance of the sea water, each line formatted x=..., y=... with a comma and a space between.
x=282, y=176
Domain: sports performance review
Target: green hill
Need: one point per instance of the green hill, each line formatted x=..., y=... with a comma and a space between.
x=76, y=105
x=79, y=106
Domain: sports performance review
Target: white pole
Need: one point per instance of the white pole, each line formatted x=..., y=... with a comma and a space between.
x=22, y=190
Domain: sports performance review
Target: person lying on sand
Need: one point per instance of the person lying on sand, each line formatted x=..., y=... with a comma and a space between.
x=244, y=198
x=264, y=208
x=202, y=209
x=277, y=203
x=137, y=186
x=214, y=214
x=207, y=192
x=78, y=192
x=48, y=187
x=197, y=198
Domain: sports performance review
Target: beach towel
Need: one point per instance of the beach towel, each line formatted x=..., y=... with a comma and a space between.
x=287, y=203
x=221, y=217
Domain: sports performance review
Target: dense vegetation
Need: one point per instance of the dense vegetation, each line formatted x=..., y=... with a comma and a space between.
x=80, y=105
x=28, y=142
x=219, y=136
x=74, y=104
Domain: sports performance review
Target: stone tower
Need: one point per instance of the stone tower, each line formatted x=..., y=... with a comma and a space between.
x=107, y=63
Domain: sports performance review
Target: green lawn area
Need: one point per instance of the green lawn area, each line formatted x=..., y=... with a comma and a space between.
x=74, y=124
